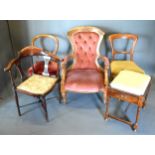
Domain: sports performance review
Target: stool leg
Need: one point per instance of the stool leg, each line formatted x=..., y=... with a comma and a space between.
x=135, y=125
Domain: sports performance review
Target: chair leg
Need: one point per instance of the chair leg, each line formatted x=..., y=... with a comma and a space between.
x=106, y=101
x=64, y=96
x=135, y=125
x=59, y=90
x=17, y=102
x=44, y=105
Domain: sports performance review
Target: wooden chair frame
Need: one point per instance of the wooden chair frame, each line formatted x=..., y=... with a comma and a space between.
x=28, y=52
x=140, y=101
x=43, y=36
x=112, y=37
x=66, y=68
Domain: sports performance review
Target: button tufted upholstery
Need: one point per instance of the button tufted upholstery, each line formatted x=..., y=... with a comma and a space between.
x=85, y=46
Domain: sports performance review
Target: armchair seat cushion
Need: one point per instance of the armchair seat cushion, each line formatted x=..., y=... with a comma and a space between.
x=117, y=66
x=39, y=68
x=131, y=82
x=84, y=80
x=37, y=85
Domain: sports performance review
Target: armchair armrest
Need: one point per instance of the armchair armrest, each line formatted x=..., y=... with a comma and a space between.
x=64, y=70
x=106, y=69
x=10, y=64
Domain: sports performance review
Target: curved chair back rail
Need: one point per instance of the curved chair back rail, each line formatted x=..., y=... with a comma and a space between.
x=51, y=68
x=44, y=36
x=123, y=36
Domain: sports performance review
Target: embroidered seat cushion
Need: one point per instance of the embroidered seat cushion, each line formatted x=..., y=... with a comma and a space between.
x=37, y=84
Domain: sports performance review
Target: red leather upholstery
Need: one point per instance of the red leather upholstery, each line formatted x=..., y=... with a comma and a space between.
x=84, y=80
x=85, y=44
x=39, y=68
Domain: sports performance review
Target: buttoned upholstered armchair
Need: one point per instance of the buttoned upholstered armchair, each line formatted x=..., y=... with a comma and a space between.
x=38, y=66
x=118, y=65
x=84, y=74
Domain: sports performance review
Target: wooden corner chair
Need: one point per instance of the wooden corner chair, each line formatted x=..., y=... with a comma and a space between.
x=84, y=75
x=36, y=85
x=38, y=67
x=118, y=65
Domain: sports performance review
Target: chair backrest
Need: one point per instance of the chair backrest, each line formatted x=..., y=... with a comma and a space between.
x=85, y=41
x=123, y=36
x=31, y=51
x=45, y=36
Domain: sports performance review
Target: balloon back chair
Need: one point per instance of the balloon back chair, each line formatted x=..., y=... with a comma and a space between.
x=119, y=65
x=38, y=66
x=35, y=85
x=84, y=75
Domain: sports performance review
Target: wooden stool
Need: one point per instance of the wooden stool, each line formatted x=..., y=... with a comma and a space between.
x=131, y=87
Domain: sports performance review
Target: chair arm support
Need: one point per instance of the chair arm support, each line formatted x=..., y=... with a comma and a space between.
x=106, y=69
x=67, y=58
x=64, y=70
x=106, y=61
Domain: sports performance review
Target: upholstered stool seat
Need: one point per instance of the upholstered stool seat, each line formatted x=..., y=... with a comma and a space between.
x=118, y=65
x=131, y=87
x=37, y=84
x=84, y=80
x=131, y=82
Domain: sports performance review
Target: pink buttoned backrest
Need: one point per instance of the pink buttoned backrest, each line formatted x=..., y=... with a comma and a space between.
x=85, y=46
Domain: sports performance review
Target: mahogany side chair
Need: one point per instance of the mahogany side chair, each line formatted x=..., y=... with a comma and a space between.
x=39, y=41
x=85, y=74
x=35, y=85
x=118, y=65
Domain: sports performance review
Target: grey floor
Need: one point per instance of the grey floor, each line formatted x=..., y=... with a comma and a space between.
x=82, y=115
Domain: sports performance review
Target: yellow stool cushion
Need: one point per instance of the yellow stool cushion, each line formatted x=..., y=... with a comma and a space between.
x=37, y=84
x=117, y=66
x=131, y=82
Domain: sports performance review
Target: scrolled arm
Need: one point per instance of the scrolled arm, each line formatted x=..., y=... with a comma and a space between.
x=10, y=64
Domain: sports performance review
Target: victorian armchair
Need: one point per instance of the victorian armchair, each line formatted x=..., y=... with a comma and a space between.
x=38, y=66
x=85, y=74
x=35, y=85
x=119, y=65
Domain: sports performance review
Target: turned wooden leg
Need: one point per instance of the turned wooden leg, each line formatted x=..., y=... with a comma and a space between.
x=59, y=90
x=17, y=102
x=45, y=107
x=106, y=101
x=135, y=125
x=64, y=97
